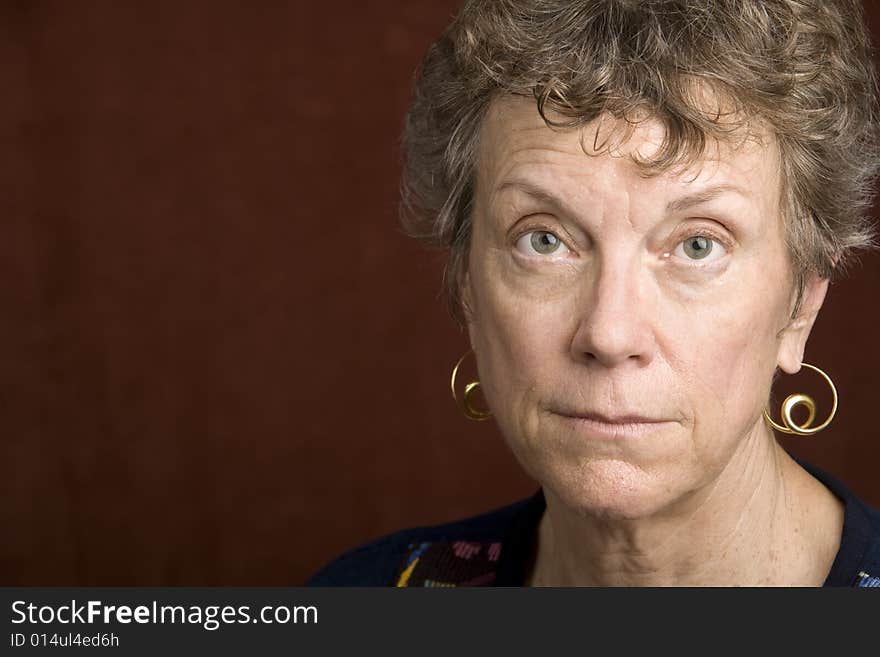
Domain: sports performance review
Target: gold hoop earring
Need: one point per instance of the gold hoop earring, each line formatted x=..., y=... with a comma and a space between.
x=465, y=403
x=792, y=427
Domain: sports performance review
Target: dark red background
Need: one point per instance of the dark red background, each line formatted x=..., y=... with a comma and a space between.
x=222, y=362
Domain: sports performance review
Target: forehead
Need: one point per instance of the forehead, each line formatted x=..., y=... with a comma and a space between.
x=515, y=141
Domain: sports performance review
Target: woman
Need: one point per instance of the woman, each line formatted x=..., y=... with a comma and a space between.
x=643, y=204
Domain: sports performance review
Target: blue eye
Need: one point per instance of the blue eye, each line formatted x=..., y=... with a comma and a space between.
x=699, y=247
x=542, y=242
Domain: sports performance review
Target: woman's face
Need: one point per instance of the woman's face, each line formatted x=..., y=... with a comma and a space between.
x=626, y=327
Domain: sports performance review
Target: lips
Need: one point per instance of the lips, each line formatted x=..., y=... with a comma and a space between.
x=617, y=418
x=614, y=426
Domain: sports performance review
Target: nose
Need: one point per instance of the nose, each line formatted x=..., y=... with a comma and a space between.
x=614, y=309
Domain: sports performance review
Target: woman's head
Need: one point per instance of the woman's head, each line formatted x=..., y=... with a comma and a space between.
x=596, y=293
x=643, y=203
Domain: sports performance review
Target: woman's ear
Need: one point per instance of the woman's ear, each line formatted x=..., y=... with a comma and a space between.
x=795, y=335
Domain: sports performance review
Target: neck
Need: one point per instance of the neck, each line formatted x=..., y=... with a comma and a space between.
x=762, y=521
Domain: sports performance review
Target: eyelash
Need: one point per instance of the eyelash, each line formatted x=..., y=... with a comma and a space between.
x=705, y=232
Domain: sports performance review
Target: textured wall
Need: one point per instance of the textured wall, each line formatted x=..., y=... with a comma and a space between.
x=222, y=363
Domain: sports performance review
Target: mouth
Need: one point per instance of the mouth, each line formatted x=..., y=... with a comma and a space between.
x=618, y=425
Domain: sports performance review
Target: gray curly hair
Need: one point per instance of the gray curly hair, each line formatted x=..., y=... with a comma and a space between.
x=802, y=68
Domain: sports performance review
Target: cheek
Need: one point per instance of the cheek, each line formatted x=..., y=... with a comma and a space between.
x=724, y=356
x=515, y=346
x=520, y=340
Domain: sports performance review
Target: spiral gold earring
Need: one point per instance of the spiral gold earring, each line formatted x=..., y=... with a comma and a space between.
x=792, y=427
x=465, y=402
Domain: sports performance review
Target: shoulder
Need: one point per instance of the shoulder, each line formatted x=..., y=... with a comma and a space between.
x=869, y=573
x=858, y=559
x=465, y=549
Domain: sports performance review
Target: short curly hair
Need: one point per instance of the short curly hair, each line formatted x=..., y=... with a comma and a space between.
x=802, y=68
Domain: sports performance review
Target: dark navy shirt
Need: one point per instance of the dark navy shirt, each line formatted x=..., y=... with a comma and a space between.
x=495, y=548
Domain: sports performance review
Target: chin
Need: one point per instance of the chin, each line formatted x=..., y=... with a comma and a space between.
x=611, y=489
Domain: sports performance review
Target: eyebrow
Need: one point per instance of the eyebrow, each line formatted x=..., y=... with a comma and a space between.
x=536, y=192
x=703, y=196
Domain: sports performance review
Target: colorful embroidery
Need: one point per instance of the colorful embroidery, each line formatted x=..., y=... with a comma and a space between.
x=867, y=581
x=450, y=563
x=411, y=560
